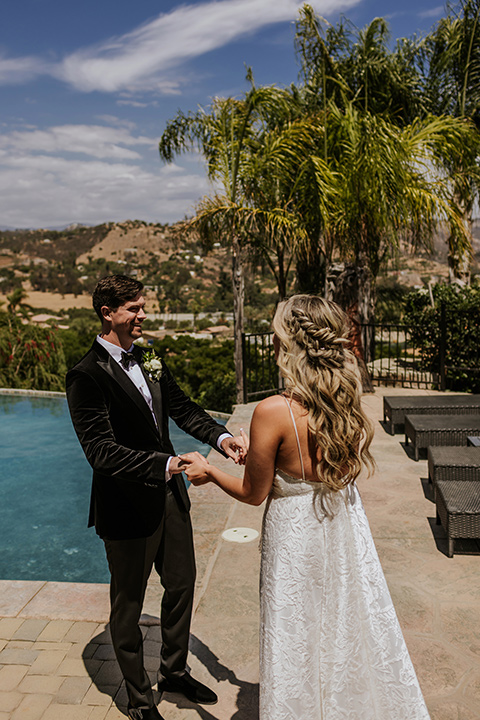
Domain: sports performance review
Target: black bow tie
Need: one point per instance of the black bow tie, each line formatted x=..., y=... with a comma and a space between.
x=127, y=359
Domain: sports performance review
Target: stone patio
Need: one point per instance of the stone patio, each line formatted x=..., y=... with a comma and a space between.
x=57, y=662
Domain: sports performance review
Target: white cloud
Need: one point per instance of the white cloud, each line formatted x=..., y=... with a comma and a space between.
x=433, y=12
x=98, y=141
x=119, y=122
x=14, y=71
x=136, y=104
x=41, y=188
x=142, y=58
x=46, y=191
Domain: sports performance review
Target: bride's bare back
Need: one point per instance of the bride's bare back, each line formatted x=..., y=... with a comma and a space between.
x=287, y=457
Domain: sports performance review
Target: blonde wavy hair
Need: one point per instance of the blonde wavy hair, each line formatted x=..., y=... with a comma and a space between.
x=321, y=372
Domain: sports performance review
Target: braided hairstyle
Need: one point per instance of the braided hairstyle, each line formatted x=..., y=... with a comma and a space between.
x=320, y=371
x=323, y=346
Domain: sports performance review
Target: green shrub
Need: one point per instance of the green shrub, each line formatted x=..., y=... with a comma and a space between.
x=390, y=300
x=202, y=368
x=219, y=394
x=30, y=357
x=461, y=307
x=203, y=323
x=75, y=345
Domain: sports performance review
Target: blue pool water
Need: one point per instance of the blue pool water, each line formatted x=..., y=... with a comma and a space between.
x=45, y=492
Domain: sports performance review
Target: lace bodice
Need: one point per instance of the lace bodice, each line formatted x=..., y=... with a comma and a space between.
x=284, y=484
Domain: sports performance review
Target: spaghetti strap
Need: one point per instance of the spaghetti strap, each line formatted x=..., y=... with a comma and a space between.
x=296, y=435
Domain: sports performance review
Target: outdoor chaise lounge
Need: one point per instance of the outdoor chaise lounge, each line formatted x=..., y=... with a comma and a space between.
x=458, y=510
x=396, y=407
x=453, y=464
x=426, y=430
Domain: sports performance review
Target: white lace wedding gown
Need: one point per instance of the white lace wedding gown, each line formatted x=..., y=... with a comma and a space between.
x=331, y=646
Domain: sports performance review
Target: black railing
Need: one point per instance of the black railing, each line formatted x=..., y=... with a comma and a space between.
x=261, y=377
x=393, y=356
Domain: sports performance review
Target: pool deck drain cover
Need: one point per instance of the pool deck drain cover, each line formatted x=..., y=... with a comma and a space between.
x=240, y=535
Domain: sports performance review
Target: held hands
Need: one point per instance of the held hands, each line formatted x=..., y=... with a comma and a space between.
x=195, y=468
x=176, y=465
x=237, y=447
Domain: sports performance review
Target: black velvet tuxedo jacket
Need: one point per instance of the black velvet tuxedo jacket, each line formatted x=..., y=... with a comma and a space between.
x=126, y=449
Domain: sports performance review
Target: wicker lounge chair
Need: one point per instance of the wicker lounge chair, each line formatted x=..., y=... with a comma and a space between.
x=458, y=510
x=397, y=406
x=453, y=463
x=426, y=430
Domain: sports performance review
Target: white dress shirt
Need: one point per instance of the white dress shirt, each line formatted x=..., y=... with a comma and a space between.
x=136, y=375
x=133, y=371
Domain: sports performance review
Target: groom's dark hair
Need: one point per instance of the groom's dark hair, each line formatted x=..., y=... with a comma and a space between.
x=113, y=291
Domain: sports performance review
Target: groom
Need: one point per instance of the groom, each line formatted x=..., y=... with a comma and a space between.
x=120, y=405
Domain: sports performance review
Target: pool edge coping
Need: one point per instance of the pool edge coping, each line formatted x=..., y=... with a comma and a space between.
x=59, y=394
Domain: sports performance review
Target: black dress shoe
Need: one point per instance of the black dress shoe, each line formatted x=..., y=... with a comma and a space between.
x=144, y=714
x=190, y=688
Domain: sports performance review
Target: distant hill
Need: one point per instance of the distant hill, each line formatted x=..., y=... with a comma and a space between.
x=60, y=267
x=178, y=275
x=70, y=226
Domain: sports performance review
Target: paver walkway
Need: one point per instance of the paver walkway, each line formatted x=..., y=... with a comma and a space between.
x=56, y=659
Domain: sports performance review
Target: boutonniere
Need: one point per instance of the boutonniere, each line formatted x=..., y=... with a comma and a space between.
x=152, y=364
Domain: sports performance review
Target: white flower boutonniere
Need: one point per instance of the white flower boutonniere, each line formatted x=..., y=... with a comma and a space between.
x=153, y=365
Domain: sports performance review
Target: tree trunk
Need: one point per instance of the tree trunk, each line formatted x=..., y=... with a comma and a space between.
x=459, y=260
x=282, y=275
x=458, y=269
x=459, y=264
x=351, y=287
x=238, y=284
x=310, y=270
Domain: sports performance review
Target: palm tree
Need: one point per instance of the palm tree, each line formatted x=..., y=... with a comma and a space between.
x=279, y=225
x=453, y=87
x=221, y=135
x=231, y=135
x=15, y=302
x=350, y=73
x=388, y=187
x=345, y=68
x=345, y=65
x=382, y=185
x=334, y=168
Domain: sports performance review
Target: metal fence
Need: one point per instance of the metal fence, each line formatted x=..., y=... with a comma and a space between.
x=261, y=376
x=393, y=356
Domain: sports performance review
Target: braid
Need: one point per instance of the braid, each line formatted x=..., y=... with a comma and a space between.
x=322, y=345
x=319, y=368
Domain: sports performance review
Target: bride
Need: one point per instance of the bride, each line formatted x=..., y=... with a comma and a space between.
x=331, y=647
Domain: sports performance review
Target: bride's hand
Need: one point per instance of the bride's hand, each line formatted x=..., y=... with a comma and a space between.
x=197, y=468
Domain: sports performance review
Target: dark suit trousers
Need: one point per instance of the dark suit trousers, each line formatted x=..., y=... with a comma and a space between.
x=170, y=550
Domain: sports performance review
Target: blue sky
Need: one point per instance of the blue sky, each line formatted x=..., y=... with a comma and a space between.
x=87, y=88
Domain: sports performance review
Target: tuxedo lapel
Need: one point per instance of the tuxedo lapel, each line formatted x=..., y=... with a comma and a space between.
x=112, y=368
x=156, y=392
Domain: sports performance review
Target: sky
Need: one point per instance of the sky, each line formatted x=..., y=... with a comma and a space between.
x=86, y=90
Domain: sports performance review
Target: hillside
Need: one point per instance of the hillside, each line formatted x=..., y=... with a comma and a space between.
x=59, y=269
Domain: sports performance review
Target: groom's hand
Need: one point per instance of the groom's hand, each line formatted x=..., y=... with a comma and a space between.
x=196, y=468
x=236, y=447
x=177, y=465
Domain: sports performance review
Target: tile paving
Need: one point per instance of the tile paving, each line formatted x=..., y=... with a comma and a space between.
x=56, y=658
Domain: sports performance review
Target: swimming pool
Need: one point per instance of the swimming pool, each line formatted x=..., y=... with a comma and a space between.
x=45, y=491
